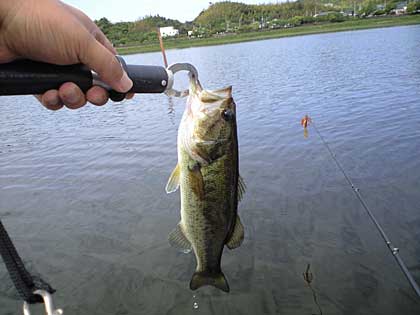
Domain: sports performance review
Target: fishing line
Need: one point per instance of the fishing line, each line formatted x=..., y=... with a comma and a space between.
x=392, y=249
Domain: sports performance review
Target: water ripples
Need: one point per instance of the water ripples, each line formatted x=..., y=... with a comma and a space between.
x=82, y=192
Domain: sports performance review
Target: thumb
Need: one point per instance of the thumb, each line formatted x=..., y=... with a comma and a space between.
x=98, y=58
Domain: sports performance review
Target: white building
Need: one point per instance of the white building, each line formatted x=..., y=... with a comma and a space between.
x=401, y=8
x=169, y=31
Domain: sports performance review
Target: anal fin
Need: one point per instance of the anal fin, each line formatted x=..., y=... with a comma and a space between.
x=178, y=239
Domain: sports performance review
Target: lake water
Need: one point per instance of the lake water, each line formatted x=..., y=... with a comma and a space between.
x=82, y=192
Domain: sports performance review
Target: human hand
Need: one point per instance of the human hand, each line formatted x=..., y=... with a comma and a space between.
x=54, y=32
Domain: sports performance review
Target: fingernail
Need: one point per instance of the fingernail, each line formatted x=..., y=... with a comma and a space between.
x=125, y=83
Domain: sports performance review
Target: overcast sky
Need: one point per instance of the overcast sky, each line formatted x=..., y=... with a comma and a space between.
x=131, y=10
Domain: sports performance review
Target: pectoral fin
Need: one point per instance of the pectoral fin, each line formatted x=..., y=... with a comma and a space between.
x=173, y=181
x=237, y=236
x=178, y=239
x=197, y=182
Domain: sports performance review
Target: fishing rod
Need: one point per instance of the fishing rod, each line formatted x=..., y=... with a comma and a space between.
x=392, y=249
x=162, y=47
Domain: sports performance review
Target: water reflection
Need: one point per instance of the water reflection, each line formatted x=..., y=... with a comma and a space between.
x=195, y=303
x=171, y=110
x=308, y=277
x=90, y=184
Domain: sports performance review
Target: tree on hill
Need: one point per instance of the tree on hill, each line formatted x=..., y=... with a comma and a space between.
x=221, y=15
x=413, y=7
x=140, y=31
x=391, y=5
x=228, y=16
x=221, y=12
x=104, y=24
x=150, y=23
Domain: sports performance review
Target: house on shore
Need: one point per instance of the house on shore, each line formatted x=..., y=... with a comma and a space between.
x=169, y=31
x=401, y=8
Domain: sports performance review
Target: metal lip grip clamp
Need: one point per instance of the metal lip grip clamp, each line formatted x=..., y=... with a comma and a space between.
x=27, y=77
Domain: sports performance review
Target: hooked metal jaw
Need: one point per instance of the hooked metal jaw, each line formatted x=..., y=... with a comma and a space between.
x=177, y=67
x=48, y=302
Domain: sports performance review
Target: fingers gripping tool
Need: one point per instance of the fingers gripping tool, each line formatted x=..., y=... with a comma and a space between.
x=26, y=77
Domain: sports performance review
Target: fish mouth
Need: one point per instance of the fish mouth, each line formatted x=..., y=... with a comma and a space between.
x=210, y=101
x=210, y=96
x=201, y=105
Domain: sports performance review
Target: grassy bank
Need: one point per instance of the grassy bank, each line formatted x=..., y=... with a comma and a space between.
x=357, y=24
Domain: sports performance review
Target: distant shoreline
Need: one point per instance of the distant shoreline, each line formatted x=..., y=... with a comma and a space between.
x=352, y=25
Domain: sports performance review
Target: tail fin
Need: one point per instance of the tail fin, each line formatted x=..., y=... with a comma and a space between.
x=203, y=278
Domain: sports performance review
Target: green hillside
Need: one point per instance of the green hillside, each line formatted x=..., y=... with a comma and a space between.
x=235, y=12
x=223, y=18
x=228, y=15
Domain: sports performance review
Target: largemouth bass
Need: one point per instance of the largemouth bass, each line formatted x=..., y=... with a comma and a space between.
x=207, y=174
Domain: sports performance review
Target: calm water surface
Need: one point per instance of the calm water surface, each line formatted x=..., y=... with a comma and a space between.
x=82, y=192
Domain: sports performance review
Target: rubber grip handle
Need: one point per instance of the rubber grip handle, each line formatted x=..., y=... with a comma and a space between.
x=147, y=79
x=24, y=77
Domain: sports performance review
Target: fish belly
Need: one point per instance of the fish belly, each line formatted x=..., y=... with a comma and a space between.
x=208, y=219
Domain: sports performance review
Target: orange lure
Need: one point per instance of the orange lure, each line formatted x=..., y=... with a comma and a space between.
x=305, y=121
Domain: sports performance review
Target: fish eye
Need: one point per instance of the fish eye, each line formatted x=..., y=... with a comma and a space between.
x=228, y=115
